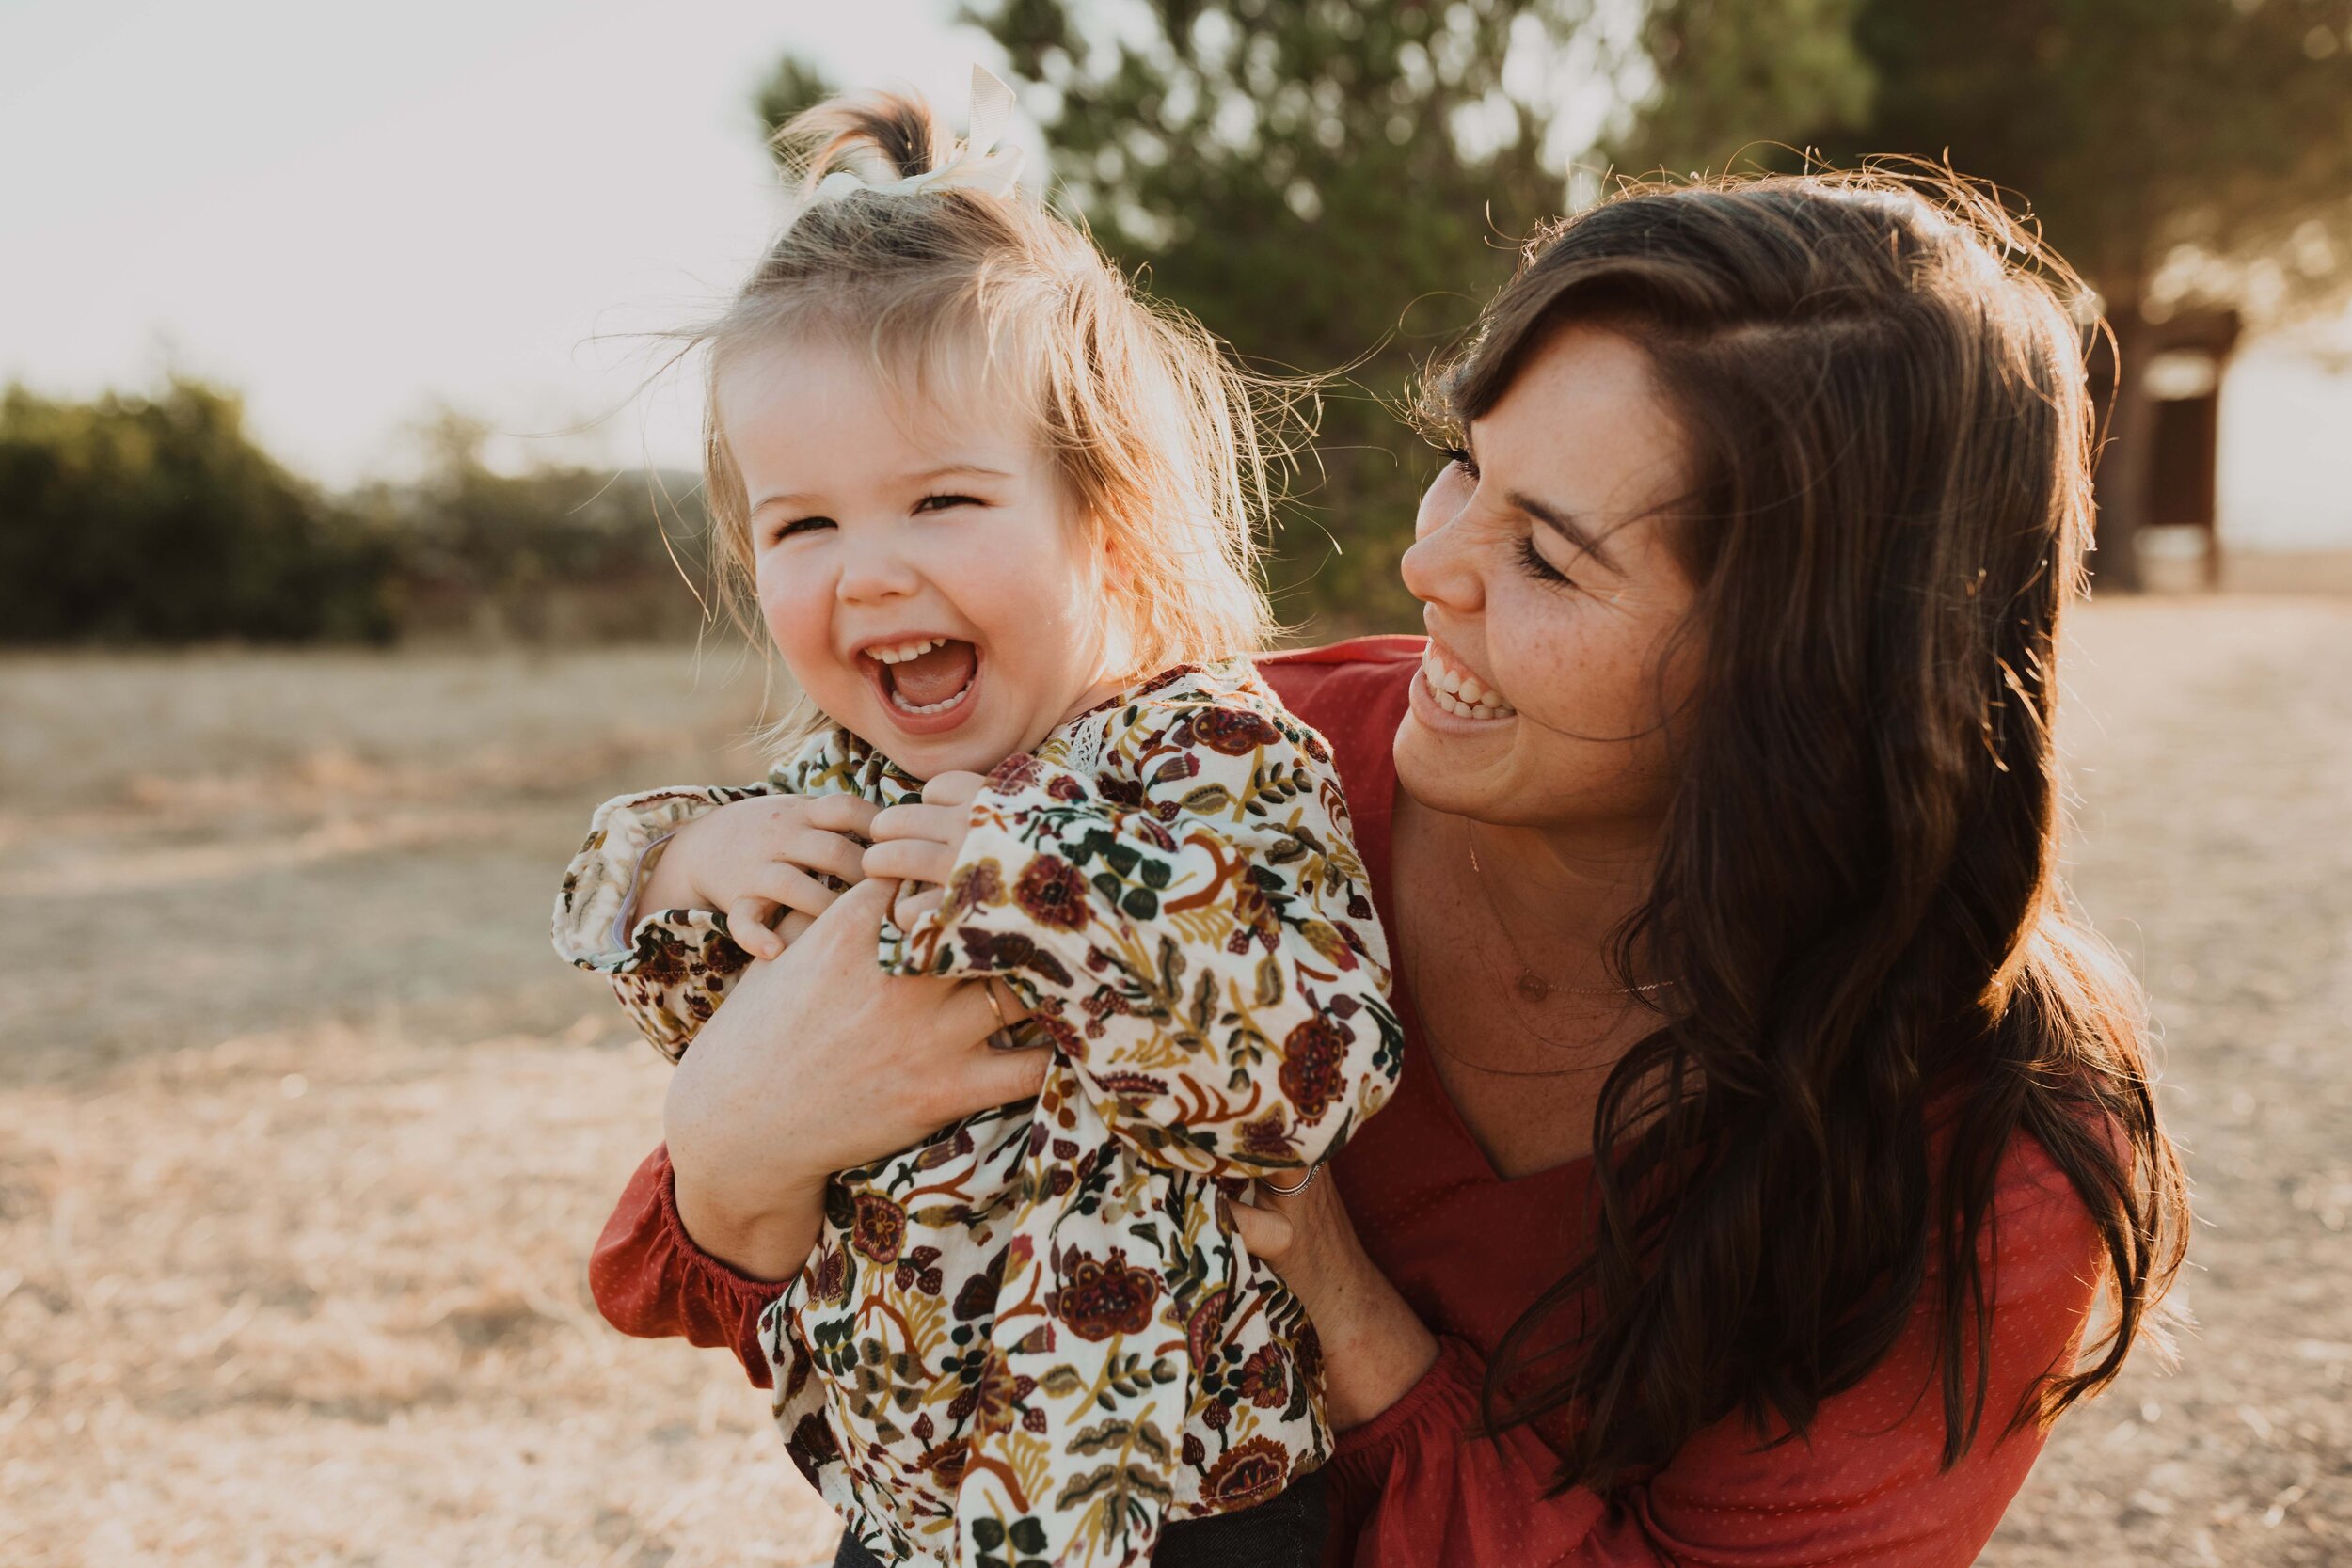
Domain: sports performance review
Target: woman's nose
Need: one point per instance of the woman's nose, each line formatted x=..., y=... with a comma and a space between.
x=1438, y=568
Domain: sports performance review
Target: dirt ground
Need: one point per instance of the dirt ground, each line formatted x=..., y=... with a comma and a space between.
x=304, y=1133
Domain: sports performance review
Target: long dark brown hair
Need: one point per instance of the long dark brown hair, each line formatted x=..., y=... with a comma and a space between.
x=1857, y=889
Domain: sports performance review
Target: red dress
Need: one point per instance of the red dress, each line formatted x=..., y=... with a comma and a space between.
x=1471, y=1251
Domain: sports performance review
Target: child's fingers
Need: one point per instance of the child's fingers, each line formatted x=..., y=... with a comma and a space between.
x=954, y=788
x=941, y=824
x=822, y=850
x=838, y=814
x=792, y=888
x=747, y=923
x=788, y=929
x=912, y=859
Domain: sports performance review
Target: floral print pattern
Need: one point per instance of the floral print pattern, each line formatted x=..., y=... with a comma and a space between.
x=1029, y=1340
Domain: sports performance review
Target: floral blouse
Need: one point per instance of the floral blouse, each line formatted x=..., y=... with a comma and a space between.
x=1029, y=1340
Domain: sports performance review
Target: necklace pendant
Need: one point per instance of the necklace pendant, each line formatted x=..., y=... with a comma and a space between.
x=1532, y=987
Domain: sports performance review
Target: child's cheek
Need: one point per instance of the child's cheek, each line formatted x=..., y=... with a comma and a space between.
x=796, y=619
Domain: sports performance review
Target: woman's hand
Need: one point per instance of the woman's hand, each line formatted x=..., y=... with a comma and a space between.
x=820, y=1061
x=758, y=860
x=1374, y=1346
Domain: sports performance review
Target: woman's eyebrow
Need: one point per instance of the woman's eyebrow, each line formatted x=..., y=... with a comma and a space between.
x=1566, y=524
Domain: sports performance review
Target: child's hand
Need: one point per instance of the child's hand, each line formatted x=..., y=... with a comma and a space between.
x=919, y=845
x=756, y=859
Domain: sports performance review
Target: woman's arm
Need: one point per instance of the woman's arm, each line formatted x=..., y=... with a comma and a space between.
x=1866, y=1487
x=652, y=1280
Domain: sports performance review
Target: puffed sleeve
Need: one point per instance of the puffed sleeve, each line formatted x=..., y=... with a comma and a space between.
x=1865, y=1489
x=650, y=1280
x=669, y=968
x=1172, y=890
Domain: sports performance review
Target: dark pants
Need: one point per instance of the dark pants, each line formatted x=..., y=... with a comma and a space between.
x=1286, y=1532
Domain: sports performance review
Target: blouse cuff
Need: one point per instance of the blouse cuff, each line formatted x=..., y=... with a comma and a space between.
x=724, y=1280
x=1447, y=1393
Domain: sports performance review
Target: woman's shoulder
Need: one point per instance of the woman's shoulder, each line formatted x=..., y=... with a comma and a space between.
x=1355, y=693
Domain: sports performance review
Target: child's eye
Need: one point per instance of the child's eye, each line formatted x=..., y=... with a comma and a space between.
x=940, y=503
x=1460, y=458
x=798, y=525
x=1537, y=567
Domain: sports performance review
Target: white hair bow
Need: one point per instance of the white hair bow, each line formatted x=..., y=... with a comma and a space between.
x=979, y=163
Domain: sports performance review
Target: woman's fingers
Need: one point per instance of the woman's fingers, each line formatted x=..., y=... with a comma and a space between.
x=1266, y=1232
x=789, y=929
x=911, y=860
x=994, y=1077
x=913, y=906
x=747, y=923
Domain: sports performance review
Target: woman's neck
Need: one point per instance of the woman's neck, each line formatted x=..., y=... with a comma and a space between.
x=1557, y=893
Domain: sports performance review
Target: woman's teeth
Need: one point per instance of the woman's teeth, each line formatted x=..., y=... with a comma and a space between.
x=1461, y=695
x=905, y=651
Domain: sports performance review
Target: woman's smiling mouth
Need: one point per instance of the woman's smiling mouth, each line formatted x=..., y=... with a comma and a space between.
x=1457, y=692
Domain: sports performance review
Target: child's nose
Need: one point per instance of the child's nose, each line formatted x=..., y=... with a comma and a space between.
x=874, y=569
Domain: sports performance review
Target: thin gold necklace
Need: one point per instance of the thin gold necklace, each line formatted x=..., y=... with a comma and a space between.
x=1533, y=988
x=1421, y=1019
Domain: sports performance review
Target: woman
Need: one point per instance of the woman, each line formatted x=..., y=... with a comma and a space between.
x=1768, y=1125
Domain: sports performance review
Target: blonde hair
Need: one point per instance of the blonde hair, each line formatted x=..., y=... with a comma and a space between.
x=1166, y=446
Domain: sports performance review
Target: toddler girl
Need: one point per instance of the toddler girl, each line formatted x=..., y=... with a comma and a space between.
x=997, y=512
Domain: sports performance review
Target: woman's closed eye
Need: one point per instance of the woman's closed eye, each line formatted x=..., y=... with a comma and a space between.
x=1532, y=561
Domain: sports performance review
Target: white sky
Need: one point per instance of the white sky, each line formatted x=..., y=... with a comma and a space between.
x=350, y=213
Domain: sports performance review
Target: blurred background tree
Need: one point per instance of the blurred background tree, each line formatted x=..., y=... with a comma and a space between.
x=794, y=84
x=2192, y=158
x=554, y=552
x=156, y=520
x=1324, y=183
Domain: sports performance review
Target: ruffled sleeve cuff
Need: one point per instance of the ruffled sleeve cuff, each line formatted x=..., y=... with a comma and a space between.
x=1441, y=1407
x=595, y=908
x=651, y=1280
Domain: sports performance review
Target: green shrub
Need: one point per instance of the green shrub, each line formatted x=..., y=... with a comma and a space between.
x=157, y=520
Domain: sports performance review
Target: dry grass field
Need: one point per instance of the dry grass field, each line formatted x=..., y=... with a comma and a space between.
x=304, y=1133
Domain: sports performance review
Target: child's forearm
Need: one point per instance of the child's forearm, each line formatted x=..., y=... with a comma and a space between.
x=663, y=883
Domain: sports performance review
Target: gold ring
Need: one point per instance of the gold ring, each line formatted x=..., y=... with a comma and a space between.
x=987, y=988
x=1312, y=1171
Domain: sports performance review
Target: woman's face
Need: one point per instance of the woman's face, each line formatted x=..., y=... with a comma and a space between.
x=1552, y=600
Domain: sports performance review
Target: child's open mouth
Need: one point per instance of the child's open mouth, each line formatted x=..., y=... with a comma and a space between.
x=926, y=683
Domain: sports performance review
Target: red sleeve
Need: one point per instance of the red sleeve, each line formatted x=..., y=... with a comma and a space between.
x=651, y=1280
x=1866, y=1490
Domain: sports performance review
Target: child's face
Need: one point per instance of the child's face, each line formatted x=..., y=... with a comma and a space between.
x=929, y=588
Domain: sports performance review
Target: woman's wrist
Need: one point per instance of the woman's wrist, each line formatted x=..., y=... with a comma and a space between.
x=767, y=1242
x=1376, y=1347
